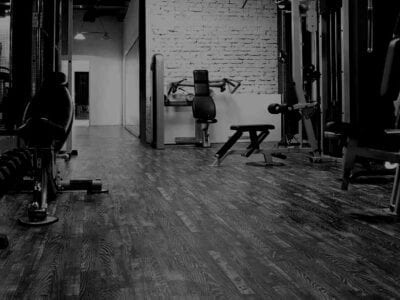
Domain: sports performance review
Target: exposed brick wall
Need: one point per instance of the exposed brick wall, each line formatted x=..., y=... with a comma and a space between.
x=218, y=35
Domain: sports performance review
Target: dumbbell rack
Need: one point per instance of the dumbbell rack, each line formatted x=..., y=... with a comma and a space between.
x=39, y=165
x=13, y=164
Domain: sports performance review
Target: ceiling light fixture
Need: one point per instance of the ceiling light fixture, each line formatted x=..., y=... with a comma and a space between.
x=81, y=35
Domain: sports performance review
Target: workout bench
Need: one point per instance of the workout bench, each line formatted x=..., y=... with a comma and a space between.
x=257, y=133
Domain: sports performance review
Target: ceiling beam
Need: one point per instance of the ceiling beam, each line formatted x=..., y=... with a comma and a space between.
x=100, y=7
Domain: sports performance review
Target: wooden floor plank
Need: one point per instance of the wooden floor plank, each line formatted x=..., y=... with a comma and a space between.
x=173, y=227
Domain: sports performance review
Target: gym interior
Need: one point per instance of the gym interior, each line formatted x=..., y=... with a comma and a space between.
x=199, y=149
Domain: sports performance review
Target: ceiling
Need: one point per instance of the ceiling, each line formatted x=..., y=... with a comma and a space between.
x=4, y=7
x=92, y=8
x=98, y=8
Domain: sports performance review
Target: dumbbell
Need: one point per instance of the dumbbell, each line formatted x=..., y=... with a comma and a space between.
x=8, y=167
x=14, y=156
x=25, y=157
x=11, y=160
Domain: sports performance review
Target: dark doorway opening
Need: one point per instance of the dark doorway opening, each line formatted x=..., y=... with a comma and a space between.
x=82, y=95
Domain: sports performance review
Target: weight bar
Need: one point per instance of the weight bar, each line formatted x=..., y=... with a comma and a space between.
x=303, y=108
x=276, y=108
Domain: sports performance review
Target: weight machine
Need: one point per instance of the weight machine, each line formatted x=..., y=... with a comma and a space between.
x=299, y=86
x=46, y=126
x=201, y=101
x=372, y=135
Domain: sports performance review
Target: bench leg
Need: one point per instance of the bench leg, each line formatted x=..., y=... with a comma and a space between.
x=205, y=136
x=228, y=145
x=268, y=159
x=395, y=197
x=256, y=140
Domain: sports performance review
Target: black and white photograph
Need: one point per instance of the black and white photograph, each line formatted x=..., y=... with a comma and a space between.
x=212, y=149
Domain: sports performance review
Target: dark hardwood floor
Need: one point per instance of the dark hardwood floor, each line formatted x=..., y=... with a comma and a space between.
x=173, y=227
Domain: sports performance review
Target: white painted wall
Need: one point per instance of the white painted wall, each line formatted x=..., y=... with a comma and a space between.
x=236, y=109
x=105, y=77
x=131, y=85
x=131, y=26
x=130, y=46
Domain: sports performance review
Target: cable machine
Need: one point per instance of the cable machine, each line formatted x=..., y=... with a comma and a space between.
x=331, y=52
x=299, y=82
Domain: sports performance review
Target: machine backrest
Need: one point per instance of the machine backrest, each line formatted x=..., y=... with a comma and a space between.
x=53, y=102
x=201, y=84
x=203, y=105
x=390, y=85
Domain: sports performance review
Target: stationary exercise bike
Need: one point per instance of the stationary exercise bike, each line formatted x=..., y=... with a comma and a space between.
x=46, y=126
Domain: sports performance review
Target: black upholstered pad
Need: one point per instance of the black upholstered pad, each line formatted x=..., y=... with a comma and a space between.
x=48, y=117
x=203, y=108
x=390, y=85
x=257, y=127
x=201, y=83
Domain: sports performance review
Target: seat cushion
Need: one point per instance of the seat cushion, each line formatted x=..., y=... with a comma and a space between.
x=257, y=127
x=52, y=103
x=203, y=108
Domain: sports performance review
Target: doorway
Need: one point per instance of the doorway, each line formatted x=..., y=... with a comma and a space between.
x=81, y=95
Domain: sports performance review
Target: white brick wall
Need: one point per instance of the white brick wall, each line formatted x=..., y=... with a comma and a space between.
x=217, y=35
x=220, y=36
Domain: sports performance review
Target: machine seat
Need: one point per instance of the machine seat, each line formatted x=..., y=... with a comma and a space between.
x=41, y=132
x=203, y=108
x=256, y=127
x=49, y=115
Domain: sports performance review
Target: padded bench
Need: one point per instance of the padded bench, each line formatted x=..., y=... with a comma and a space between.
x=257, y=133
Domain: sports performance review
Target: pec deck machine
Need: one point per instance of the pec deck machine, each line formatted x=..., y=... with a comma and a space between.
x=201, y=102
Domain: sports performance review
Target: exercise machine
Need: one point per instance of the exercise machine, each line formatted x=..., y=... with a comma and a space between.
x=257, y=133
x=299, y=89
x=47, y=123
x=200, y=100
x=378, y=142
x=202, y=103
x=299, y=71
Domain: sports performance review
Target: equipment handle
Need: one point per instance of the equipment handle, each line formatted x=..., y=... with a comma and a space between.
x=370, y=17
